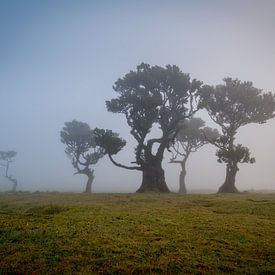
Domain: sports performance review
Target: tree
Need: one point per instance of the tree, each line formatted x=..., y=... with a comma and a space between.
x=191, y=136
x=81, y=149
x=232, y=105
x=148, y=97
x=6, y=158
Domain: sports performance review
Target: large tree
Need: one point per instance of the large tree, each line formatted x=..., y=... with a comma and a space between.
x=81, y=149
x=6, y=158
x=153, y=96
x=191, y=136
x=232, y=105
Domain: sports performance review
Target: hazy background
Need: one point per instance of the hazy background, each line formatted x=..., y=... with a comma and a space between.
x=59, y=60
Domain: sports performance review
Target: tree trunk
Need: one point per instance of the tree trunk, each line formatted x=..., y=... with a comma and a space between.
x=14, y=181
x=229, y=183
x=182, y=189
x=153, y=179
x=90, y=180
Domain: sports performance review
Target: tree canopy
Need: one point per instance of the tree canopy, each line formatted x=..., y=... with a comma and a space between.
x=7, y=156
x=154, y=96
x=192, y=135
x=232, y=105
x=81, y=148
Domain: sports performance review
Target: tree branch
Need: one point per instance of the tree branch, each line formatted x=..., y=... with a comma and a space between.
x=175, y=161
x=124, y=166
x=212, y=141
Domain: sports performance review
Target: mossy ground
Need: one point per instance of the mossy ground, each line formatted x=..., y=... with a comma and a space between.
x=56, y=233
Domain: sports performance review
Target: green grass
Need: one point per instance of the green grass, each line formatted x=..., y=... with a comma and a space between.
x=52, y=233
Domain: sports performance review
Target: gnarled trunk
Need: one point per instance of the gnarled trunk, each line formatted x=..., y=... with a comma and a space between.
x=182, y=189
x=90, y=180
x=229, y=183
x=153, y=179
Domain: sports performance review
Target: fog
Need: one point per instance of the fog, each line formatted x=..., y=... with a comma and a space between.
x=59, y=60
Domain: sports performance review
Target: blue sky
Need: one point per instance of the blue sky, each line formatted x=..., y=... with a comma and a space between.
x=59, y=60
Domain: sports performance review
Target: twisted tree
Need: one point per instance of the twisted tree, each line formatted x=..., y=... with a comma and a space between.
x=153, y=96
x=191, y=136
x=233, y=105
x=81, y=149
x=6, y=158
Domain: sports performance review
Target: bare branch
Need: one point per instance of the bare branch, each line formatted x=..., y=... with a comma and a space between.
x=124, y=166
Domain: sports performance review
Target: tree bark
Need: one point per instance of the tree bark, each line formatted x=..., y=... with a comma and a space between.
x=229, y=183
x=153, y=179
x=90, y=180
x=182, y=185
x=182, y=188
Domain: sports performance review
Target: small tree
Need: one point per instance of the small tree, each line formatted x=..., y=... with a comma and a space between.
x=233, y=105
x=153, y=96
x=6, y=158
x=81, y=149
x=190, y=138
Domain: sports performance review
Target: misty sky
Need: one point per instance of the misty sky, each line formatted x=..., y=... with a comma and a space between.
x=59, y=60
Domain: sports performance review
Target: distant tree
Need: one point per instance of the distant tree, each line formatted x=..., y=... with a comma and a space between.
x=152, y=96
x=6, y=158
x=81, y=149
x=191, y=136
x=233, y=105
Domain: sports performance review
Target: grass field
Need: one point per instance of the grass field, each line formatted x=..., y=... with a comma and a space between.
x=58, y=233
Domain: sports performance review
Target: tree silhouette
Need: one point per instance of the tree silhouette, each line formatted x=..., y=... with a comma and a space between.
x=233, y=105
x=6, y=158
x=81, y=149
x=148, y=97
x=191, y=136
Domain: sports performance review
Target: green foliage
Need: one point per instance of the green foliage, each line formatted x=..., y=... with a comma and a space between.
x=237, y=103
x=192, y=134
x=232, y=105
x=81, y=146
x=237, y=154
x=109, y=141
x=53, y=233
x=77, y=136
x=153, y=95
